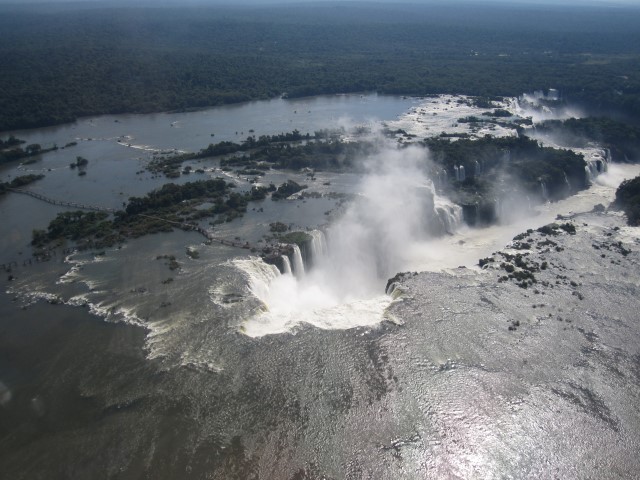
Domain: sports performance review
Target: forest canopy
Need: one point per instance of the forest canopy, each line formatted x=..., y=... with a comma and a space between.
x=61, y=62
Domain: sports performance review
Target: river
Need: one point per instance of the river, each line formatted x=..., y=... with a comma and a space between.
x=114, y=364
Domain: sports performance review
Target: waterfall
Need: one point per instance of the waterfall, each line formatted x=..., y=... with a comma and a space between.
x=566, y=181
x=543, y=188
x=597, y=163
x=298, y=264
x=478, y=171
x=260, y=276
x=286, y=264
x=442, y=176
x=606, y=160
x=591, y=170
x=449, y=214
x=588, y=176
x=318, y=246
x=389, y=226
x=456, y=173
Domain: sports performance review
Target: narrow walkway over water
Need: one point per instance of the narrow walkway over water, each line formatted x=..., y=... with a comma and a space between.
x=185, y=226
x=62, y=203
x=208, y=235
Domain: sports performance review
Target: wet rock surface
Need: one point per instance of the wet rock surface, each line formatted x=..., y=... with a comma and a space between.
x=535, y=376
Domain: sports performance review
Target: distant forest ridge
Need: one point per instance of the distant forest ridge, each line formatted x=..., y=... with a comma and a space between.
x=60, y=62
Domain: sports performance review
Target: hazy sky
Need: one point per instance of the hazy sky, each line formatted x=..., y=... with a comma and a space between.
x=262, y=2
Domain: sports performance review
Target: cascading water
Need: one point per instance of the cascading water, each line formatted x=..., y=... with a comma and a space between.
x=543, y=190
x=260, y=276
x=318, y=246
x=566, y=181
x=287, y=265
x=445, y=178
x=395, y=214
x=298, y=264
x=478, y=169
x=449, y=213
x=597, y=162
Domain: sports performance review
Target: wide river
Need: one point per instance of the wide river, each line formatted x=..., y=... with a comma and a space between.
x=115, y=365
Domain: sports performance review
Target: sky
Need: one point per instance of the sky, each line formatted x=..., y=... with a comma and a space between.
x=263, y=2
x=155, y=3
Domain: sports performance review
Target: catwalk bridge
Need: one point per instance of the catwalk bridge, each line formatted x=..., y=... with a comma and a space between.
x=62, y=203
x=183, y=225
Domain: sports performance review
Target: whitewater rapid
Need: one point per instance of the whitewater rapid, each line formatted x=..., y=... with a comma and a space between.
x=320, y=297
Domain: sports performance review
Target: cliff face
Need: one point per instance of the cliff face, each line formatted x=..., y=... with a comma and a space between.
x=531, y=364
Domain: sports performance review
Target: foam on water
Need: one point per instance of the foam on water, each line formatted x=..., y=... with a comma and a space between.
x=441, y=113
x=468, y=245
x=288, y=302
x=75, y=275
x=342, y=285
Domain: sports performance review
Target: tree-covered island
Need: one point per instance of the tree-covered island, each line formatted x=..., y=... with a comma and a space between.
x=171, y=206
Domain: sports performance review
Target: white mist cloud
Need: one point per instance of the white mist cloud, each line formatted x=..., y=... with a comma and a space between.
x=371, y=242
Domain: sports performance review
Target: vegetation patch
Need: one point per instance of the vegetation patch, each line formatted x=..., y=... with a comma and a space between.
x=170, y=165
x=628, y=199
x=162, y=210
x=622, y=139
x=11, y=152
x=286, y=190
x=278, y=227
x=298, y=238
x=18, y=182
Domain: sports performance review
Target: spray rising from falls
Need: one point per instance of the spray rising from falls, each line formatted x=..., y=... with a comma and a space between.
x=339, y=276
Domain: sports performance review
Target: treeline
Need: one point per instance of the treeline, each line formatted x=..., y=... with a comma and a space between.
x=503, y=168
x=18, y=182
x=170, y=166
x=12, y=153
x=10, y=142
x=523, y=158
x=127, y=59
x=334, y=155
x=622, y=139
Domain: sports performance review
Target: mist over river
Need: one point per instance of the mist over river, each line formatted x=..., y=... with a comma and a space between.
x=120, y=364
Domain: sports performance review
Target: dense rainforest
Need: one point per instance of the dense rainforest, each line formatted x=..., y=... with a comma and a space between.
x=622, y=139
x=63, y=61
